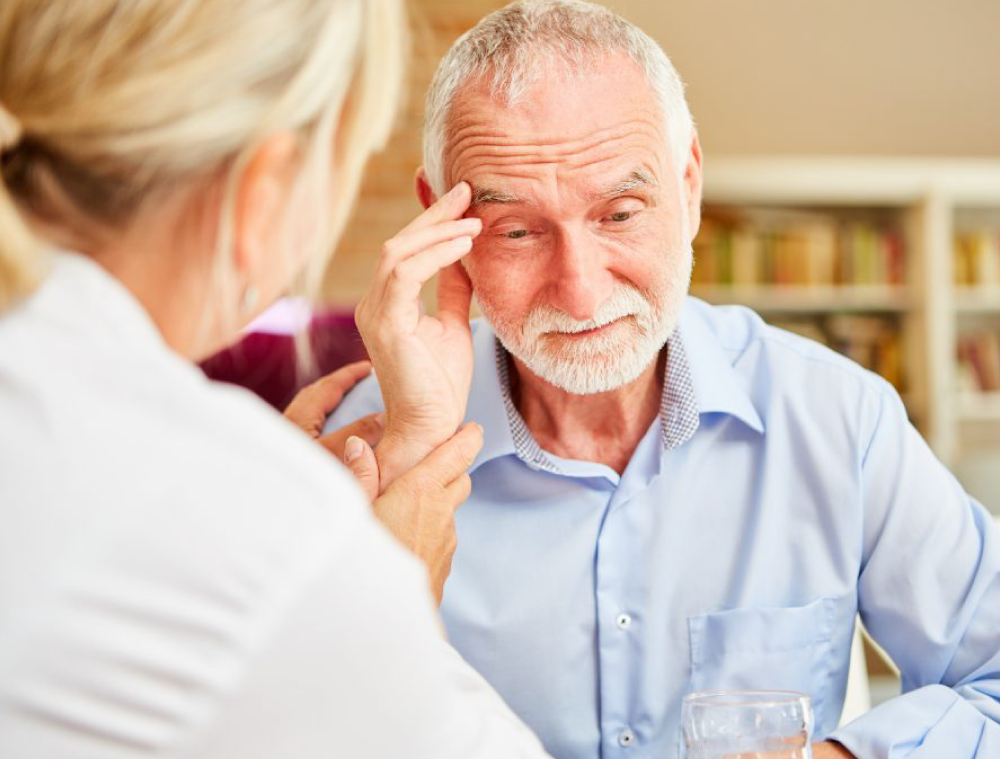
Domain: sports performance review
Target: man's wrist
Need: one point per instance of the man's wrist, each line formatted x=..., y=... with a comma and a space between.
x=397, y=453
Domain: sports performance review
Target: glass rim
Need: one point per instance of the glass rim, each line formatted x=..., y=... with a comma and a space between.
x=745, y=697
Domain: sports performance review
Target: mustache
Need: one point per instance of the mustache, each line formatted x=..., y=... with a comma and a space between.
x=624, y=301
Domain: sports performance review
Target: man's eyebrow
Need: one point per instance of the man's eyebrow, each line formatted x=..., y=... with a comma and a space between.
x=487, y=195
x=640, y=179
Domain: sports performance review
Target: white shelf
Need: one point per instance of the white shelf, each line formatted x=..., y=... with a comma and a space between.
x=977, y=300
x=978, y=407
x=805, y=299
x=856, y=181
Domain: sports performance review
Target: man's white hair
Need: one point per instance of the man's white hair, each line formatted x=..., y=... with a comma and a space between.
x=514, y=47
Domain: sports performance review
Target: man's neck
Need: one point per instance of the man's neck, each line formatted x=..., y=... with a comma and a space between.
x=605, y=427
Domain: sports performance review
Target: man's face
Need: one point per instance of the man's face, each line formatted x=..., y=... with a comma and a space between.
x=585, y=255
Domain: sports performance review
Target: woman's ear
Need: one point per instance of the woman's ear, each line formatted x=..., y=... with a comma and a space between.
x=425, y=194
x=261, y=205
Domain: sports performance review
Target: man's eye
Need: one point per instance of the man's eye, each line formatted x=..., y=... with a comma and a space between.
x=516, y=234
x=621, y=216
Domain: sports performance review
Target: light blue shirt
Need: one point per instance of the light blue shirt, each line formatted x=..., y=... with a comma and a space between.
x=780, y=492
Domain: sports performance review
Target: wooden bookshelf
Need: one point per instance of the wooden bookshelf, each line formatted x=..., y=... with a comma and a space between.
x=934, y=202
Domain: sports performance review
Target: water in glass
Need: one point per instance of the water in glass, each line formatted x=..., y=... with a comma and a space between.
x=747, y=725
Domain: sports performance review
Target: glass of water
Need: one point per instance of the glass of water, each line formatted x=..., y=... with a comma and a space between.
x=747, y=725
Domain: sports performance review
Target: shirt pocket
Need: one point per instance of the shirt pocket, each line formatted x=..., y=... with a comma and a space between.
x=764, y=649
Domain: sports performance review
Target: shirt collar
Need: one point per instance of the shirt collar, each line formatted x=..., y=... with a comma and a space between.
x=699, y=379
x=718, y=387
x=486, y=404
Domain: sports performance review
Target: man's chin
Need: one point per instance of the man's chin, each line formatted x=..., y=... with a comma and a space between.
x=590, y=374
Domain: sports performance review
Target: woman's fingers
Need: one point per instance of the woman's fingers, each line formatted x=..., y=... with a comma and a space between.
x=360, y=459
x=311, y=406
x=368, y=428
x=419, y=508
x=458, y=491
x=451, y=460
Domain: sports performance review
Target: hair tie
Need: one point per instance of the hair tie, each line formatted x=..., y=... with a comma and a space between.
x=10, y=129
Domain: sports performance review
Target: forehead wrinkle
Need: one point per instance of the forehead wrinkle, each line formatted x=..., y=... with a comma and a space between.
x=473, y=143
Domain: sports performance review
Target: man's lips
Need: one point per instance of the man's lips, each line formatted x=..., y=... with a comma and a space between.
x=589, y=332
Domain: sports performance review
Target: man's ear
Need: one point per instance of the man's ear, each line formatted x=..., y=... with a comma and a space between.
x=693, y=179
x=425, y=194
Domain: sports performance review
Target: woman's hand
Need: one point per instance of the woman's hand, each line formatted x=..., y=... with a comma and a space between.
x=424, y=363
x=419, y=507
x=311, y=406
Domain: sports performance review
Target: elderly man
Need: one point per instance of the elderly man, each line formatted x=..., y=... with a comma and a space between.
x=672, y=496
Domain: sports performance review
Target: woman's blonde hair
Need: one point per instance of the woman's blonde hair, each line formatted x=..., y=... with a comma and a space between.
x=103, y=103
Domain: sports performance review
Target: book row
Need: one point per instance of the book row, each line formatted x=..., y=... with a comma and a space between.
x=793, y=249
x=979, y=361
x=977, y=258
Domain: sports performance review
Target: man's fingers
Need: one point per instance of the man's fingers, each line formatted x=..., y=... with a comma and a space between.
x=360, y=459
x=368, y=428
x=454, y=295
x=452, y=459
x=409, y=276
x=449, y=207
x=314, y=402
x=406, y=244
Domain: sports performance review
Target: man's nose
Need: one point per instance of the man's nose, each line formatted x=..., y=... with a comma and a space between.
x=580, y=278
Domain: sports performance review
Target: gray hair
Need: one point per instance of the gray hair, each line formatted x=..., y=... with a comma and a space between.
x=512, y=48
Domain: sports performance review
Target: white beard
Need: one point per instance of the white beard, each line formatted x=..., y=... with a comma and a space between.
x=605, y=361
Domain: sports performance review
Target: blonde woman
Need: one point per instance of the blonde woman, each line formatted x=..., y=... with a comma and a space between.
x=183, y=573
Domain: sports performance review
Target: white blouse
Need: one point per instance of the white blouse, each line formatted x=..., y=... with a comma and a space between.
x=184, y=574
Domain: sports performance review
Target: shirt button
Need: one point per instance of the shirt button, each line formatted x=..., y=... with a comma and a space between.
x=624, y=621
x=626, y=739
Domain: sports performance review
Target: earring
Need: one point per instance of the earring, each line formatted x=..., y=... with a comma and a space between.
x=249, y=300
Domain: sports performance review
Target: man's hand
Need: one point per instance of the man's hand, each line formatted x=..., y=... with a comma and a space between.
x=424, y=364
x=831, y=750
x=825, y=750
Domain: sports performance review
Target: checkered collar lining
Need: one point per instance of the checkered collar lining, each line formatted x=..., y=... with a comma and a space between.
x=679, y=416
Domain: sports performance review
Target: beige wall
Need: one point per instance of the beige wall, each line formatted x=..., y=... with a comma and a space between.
x=871, y=77
x=840, y=77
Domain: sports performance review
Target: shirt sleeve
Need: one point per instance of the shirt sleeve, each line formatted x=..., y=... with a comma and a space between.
x=929, y=594
x=359, y=668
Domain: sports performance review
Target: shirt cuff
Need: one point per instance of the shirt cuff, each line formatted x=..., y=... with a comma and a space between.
x=927, y=723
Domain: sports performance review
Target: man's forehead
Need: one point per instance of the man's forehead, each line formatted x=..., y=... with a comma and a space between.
x=505, y=191
x=486, y=137
x=557, y=103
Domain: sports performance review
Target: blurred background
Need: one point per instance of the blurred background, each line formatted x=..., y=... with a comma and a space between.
x=852, y=189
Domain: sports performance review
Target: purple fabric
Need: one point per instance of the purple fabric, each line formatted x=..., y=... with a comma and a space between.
x=265, y=363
